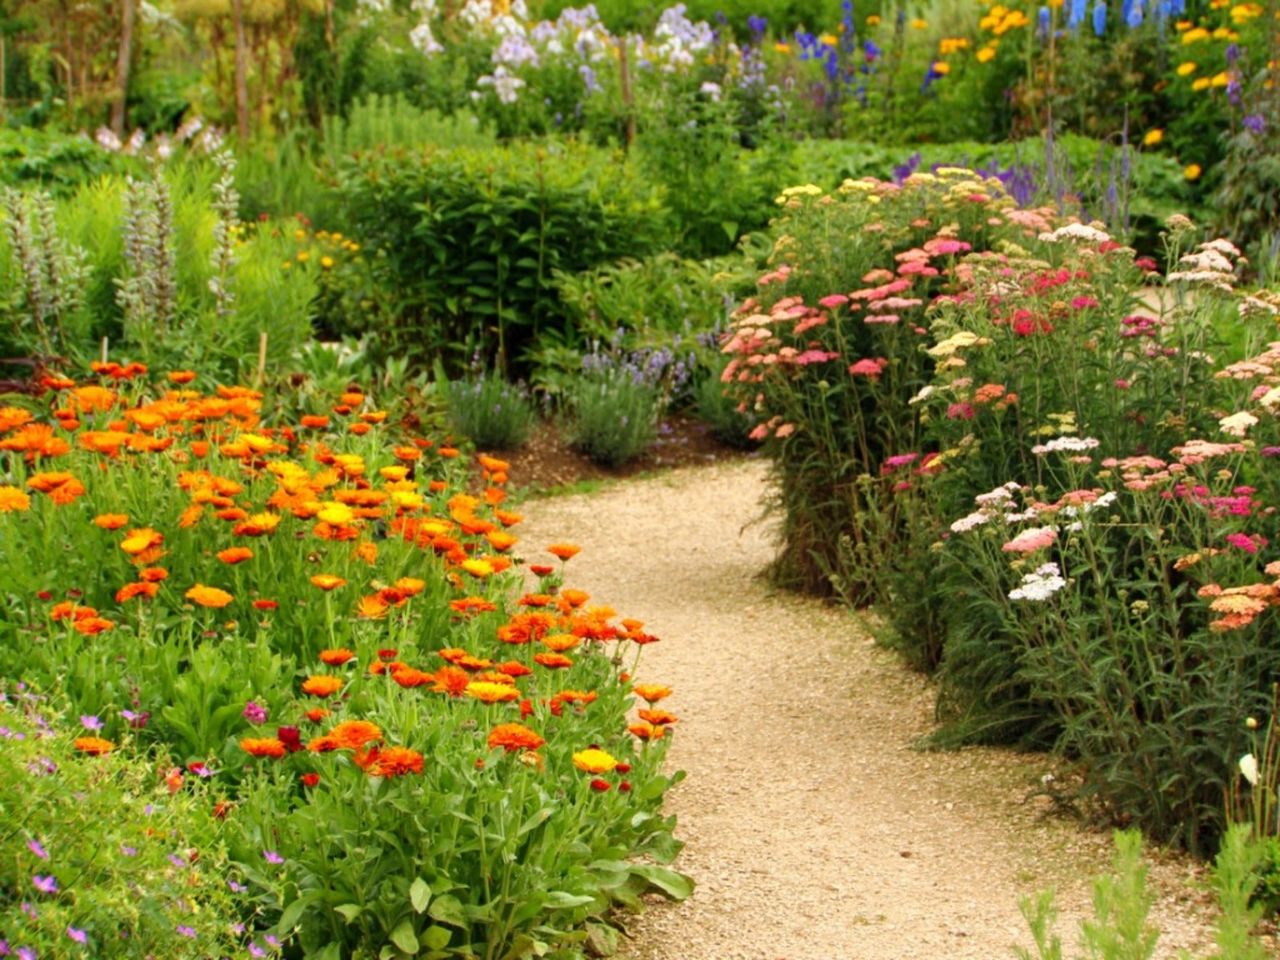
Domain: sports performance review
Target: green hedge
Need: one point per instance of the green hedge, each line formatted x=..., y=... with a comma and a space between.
x=462, y=245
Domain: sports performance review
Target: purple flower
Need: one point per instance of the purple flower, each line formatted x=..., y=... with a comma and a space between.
x=236, y=887
x=272, y=857
x=1255, y=123
x=272, y=942
x=4, y=948
x=136, y=720
x=79, y=936
x=45, y=884
x=90, y=722
x=26, y=953
x=256, y=951
x=35, y=847
x=177, y=861
x=186, y=931
x=255, y=712
x=128, y=851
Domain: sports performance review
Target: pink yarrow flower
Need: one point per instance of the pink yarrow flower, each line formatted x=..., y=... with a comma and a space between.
x=1029, y=541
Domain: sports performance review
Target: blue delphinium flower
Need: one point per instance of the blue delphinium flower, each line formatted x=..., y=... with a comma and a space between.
x=1099, y=18
x=1075, y=16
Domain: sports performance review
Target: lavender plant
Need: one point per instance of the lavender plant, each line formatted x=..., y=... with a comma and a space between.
x=490, y=412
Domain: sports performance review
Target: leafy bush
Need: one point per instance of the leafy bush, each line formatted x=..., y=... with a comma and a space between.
x=466, y=243
x=60, y=163
x=99, y=850
x=490, y=412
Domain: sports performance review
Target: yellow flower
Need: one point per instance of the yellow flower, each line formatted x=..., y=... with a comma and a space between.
x=1220, y=79
x=873, y=20
x=782, y=47
x=1200, y=83
x=1192, y=171
x=594, y=761
x=941, y=68
x=487, y=692
x=918, y=24
x=1183, y=25
x=1188, y=68
x=1153, y=137
x=1195, y=36
x=986, y=54
x=326, y=263
x=13, y=500
x=303, y=256
x=828, y=39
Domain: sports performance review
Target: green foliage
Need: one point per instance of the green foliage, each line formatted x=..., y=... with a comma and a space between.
x=1246, y=203
x=1120, y=928
x=612, y=415
x=394, y=121
x=465, y=243
x=60, y=163
x=120, y=850
x=490, y=412
x=715, y=407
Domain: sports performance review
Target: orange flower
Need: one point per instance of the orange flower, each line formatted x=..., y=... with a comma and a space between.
x=322, y=686
x=514, y=668
x=514, y=736
x=323, y=744
x=262, y=747
x=560, y=642
x=181, y=376
x=140, y=589
x=659, y=718
x=210, y=597
x=93, y=745
x=327, y=581
x=257, y=525
x=391, y=762
x=492, y=692
x=576, y=696
x=652, y=692
x=233, y=555
x=13, y=500
x=564, y=551
x=316, y=714
x=553, y=661
x=469, y=605
x=315, y=422
x=336, y=657
x=452, y=680
x=574, y=598
x=139, y=541
x=111, y=521
x=410, y=677
x=647, y=731
x=354, y=734
x=410, y=586
x=91, y=626
x=266, y=604
x=153, y=574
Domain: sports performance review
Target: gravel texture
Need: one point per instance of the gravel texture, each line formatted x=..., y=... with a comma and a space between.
x=814, y=829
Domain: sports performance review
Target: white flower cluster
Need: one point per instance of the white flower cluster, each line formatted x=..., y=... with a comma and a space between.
x=1078, y=233
x=677, y=40
x=1040, y=584
x=1213, y=264
x=995, y=504
x=1066, y=445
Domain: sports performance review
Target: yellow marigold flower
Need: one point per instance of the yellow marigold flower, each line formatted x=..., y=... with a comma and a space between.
x=13, y=500
x=487, y=692
x=941, y=67
x=828, y=39
x=918, y=24
x=1200, y=83
x=1220, y=79
x=594, y=761
x=1192, y=171
x=326, y=263
x=477, y=568
x=986, y=55
x=1183, y=25
x=1153, y=137
x=1195, y=35
x=327, y=581
x=1188, y=68
x=782, y=48
x=336, y=513
x=262, y=747
x=873, y=20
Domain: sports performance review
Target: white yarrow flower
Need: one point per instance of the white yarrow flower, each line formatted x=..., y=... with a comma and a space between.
x=1249, y=768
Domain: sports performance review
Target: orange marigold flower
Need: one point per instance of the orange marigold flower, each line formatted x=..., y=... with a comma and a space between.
x=652, y=692
x=91, y=626
x=96, y=746
x=140, y=589
x=410, y=586
x=391, y=762
x=336, y=657
x=452, y=680
x=323, y=744
x=327, y=581
x=315, y=422
x=553, y=661
x=233, y=555
x=574, y=598
x=181, y=376
x=449, y=453
x=262, y=747
x=139, y=541
x=316, y=714
x=541, y=569
x=13, y=500
x=594, y=761
x=322, y=685
x=257, y=525
x=513, y=668
x=153, y=574
x=560, y=642
x=407, y=454
x=491, y=692
x=372, y=607
x=410, y=677
x=659, y=718
x=514, y=736
x=470, y=605
x=500, y=540
x=354, y=734
x=367, y=553
x=210, y=597
x=111, y=521
x=13, y=417
x=647, y=731
x=576, y=696
x=565, y=551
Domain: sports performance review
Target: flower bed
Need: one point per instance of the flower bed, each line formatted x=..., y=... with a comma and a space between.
x=313, y=624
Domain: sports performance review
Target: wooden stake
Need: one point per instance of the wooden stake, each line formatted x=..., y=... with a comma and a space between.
x=104, y=349
x=262, y=359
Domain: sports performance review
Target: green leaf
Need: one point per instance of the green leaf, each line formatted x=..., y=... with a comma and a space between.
x=562, y=900
x=404, y=938
x=349, y=911
x=419, y=894
x=447, y=909
x=293, y=913
x=435, y=937
x=675, y=885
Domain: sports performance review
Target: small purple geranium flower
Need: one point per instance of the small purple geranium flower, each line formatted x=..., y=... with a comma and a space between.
x=35, y=847
x=272, y=857
x=79, y=936
x=45, y=884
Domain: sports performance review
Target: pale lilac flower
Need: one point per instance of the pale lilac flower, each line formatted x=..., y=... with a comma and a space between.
x=272, y=857
x=186, y=931
x=79, y=936
x=35, y=847
x=45, y=884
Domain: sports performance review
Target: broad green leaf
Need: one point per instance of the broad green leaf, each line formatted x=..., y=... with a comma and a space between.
x=675, y=885
x=419, y=894
x=404, y=938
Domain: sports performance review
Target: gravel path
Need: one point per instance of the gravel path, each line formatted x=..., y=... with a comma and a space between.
x=813, y=829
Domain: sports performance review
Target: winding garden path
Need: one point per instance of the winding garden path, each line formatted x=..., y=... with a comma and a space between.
x=813, y=829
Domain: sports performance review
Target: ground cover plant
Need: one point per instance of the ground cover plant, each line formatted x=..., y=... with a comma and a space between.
x=311, y=628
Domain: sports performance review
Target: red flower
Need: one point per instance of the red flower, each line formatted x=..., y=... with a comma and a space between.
x=599, y=785
x=310, y=779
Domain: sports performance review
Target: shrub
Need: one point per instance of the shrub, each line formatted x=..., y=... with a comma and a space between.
x=490, y=412
x=104, y=849
x=466, y=243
